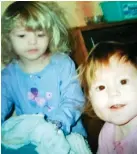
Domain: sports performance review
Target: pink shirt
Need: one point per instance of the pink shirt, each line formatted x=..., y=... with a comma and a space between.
x=107, y=144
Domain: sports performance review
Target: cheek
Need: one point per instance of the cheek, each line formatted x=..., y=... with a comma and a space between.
x=18, y=48
x=98, y=108
x=99, y=103
x=17, y=44
x=100, y=99
x=15, y=47
x=43, y=45
x=130, y=93
x=44, y=42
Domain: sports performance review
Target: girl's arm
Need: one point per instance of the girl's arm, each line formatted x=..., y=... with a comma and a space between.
x=6, y=101
x=72, y=98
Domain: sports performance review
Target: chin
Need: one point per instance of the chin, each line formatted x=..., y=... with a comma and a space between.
x=33, y=58
x=120, y=122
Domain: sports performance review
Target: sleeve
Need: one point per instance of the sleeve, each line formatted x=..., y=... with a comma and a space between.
x=6, y=101
x=72, y=98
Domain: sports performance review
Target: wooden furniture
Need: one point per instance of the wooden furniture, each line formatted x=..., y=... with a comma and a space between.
x=85, y=38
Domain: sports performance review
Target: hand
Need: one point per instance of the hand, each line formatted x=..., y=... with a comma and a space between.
x=56, y=122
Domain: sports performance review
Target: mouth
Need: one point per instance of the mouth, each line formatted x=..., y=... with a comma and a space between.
x=33, y=51
x=117, y=106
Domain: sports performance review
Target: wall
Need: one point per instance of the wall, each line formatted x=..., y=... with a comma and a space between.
x=75, y=11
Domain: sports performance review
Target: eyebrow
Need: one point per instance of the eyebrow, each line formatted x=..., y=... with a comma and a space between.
x=18, y=30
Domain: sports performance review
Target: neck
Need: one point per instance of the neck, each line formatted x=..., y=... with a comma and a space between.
x=33, y=66
x=124, y=130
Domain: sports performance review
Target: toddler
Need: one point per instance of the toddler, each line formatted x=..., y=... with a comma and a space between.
x=109, y=78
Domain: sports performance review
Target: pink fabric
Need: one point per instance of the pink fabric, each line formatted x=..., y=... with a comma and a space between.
x=107, y=144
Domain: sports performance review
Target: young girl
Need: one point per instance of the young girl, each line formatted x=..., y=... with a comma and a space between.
x=39, y=77
x=109, y=77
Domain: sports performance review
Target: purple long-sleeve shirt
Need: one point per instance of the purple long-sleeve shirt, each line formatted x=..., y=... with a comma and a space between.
x=108, y=145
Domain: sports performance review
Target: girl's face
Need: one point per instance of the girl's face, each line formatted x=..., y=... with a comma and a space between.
x=28, y=44
x=114, y=92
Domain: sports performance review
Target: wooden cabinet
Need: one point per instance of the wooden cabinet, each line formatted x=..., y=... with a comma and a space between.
x=86, y=37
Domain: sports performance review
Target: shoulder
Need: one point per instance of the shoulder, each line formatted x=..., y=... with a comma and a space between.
x=61, y=59
x=106, y=138
x=107, y=127
x=107, y=131
x=8, y=70
x=62, y=63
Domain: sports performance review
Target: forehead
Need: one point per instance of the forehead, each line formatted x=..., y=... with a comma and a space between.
x=115, y=67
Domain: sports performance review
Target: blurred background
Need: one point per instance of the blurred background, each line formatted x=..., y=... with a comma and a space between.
x=76, y=12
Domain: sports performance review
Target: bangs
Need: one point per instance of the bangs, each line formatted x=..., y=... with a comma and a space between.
x=91, y=69
x=95, y=63
x=32, y=20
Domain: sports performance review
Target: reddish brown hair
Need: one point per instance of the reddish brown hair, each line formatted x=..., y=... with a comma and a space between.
x=100, y=55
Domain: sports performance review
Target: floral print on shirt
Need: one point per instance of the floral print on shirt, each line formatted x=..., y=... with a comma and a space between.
x=36, y=100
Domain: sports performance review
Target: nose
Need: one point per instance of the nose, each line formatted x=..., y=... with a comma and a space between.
x=32, y=38
x=114, y=91
x=114, y=95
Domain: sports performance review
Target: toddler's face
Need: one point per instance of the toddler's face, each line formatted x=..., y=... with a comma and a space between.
x=114, y=92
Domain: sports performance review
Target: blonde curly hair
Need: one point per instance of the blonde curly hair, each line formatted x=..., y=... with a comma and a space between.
x=36, y=15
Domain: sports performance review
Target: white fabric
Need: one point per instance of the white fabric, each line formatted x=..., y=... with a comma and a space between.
x=22, y=130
